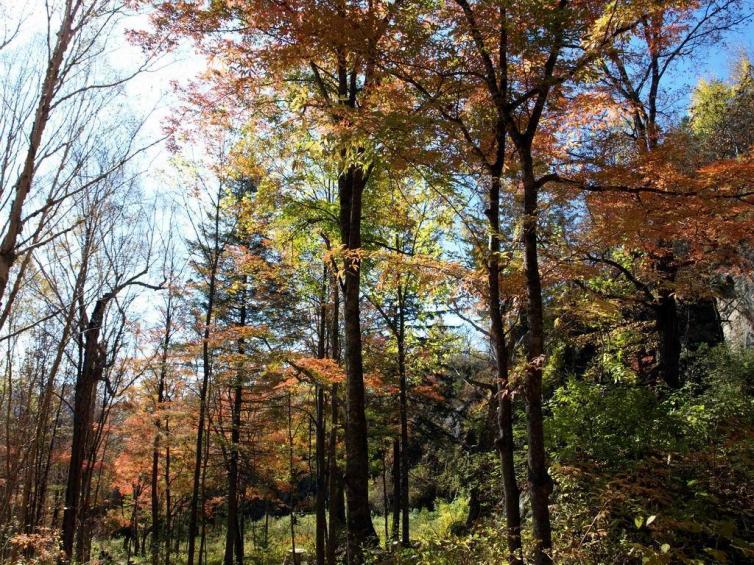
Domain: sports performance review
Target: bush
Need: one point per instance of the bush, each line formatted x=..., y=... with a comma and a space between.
x=609, y=424
x=654, y=476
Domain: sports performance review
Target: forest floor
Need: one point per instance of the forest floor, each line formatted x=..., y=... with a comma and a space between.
x=426, y=526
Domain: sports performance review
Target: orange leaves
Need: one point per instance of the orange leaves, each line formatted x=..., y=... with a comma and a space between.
x=429, y=391
x=373, y=380
x=661, y=195
x=323, y=371
x=42, y=543
x=662, y=205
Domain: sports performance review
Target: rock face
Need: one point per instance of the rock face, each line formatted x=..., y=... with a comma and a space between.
x=736, y=309
x=700, y=322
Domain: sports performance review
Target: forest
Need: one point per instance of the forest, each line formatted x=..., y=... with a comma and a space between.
x=382, y=282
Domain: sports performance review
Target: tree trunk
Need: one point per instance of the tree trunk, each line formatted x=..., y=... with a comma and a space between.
x=334, y=320
x=203, y=496
x=321, y=471
x=234, y=538
x=321, y=528
x=41, y=507
x=385, y=505
x=154, y=484
x=336, y=515
x=666, y=313
x=396, y=488
x=22, y=186
x=168, y=502
x=86, y=385
x=207, y=369
x=135, y=524
x=504, y=441
x=403, y=399
x=359, y=522
x=234, y=534
x=539, y=479
x=292, y=479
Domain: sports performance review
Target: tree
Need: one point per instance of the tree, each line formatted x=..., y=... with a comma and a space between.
x=634, y=74
x=334, y=49
x=720, y=114
x=210, y=244
x=407, y=279
x=160, y=527
x=121, y=252
x=519, y=71
x=68, y=100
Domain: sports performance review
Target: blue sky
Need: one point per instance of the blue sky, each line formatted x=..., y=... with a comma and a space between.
x=714, y=62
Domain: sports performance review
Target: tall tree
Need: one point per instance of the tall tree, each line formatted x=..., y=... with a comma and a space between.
x=635, y=73
x=333, y=47
x=55, y=127
x=122, y=251
x=210, y=245
x=521, y=56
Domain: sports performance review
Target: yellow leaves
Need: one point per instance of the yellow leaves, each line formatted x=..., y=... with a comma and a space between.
x=425, y=272
x=601, y=308
x=615, y=16
x=344, y=259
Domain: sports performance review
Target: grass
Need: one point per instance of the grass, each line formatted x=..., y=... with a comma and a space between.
x=425, y=526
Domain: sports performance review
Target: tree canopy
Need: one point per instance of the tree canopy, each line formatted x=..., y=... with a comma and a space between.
x=385, y=281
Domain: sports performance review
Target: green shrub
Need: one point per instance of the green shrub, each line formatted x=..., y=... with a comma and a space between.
x=606, y=423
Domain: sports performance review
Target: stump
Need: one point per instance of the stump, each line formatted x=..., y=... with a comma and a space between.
x=300, y=558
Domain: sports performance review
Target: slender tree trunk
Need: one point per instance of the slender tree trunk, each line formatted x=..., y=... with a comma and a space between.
x=234, y=539
x=155, y=498
x=335, y=318
x=403, y=400
x=359, y=521
x=168, y=503
x=539, y=479
x=320, y=500
x=292, y=480
x=385, y=505
x=335, y=491
x=336, y=516
x=135, y=526
x=396, y=488
x=321, y=511
x=203, y=496
x=504, y=441
x=39, y=514
x=234, y=534
x=23, y=185
x=207, y=370
x=10, y=476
